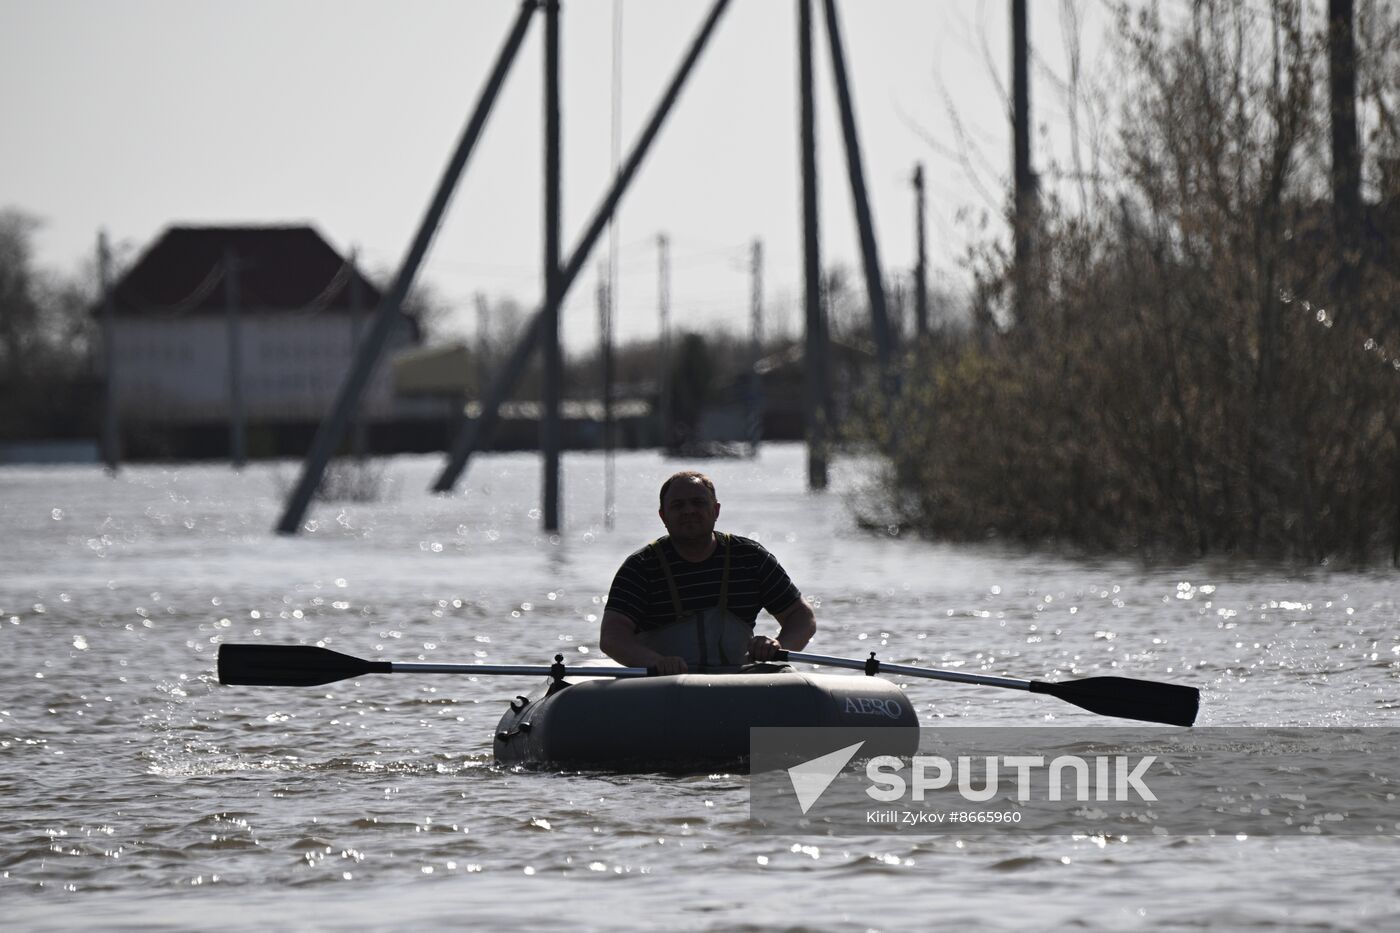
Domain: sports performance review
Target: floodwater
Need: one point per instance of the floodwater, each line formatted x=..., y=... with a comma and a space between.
x=137, y=792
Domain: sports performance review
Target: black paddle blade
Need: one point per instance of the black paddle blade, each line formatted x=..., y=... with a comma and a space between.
x=1146, y=700
x=290, y=665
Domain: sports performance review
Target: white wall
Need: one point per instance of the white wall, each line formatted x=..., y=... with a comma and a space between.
x=175, y=370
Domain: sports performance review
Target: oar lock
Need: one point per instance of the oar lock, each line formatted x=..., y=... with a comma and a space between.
x=518, y=705
x=872, y=666
x=556, y=676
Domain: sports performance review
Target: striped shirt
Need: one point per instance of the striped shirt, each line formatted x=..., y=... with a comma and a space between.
x=756, y=581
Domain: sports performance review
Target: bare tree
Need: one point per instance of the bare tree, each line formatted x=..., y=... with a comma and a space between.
x=1196, y=380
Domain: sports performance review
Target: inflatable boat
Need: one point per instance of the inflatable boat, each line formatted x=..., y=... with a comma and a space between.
x=689, y=723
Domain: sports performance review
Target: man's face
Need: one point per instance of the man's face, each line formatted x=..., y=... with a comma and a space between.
x=689, y=511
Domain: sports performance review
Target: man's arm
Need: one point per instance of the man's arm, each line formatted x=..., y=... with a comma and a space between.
x=797, y=624
x=617, y=637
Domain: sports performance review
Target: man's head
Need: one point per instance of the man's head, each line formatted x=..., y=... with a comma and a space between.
x=689, y=508
x=686, y=477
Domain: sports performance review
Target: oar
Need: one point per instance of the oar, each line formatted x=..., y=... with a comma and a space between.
x=1147, y=700
x=308, y=665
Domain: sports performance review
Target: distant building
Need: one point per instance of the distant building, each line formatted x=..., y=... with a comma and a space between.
x=298, y=306
x=450, y=373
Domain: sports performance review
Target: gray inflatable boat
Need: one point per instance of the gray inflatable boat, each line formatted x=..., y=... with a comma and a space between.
x=691, y=722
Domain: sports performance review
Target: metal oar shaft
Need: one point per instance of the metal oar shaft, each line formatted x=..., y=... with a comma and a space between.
x=517, y=670
x=1146, y=700
x=906, y=670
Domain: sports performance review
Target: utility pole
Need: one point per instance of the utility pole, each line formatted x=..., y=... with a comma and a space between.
x=609, y=305
x=814, y=356
x=237, y=446
x=553, y=355
x=484, y=371
x=483, y=344
x=605, y=359
x=111, y=434
x=754, y=395
x=663, y=258
x=359, y=431
x=1025, y=181
x=921, y=263
x=896, y=306
x=860, y=198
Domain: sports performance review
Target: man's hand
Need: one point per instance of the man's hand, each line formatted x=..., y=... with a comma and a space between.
x=670, y=665
x=617, y=636
x=763, y=648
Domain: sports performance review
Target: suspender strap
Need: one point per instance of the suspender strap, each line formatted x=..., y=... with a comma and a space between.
x=723, y=602
x=670, y=577
x=724, y=581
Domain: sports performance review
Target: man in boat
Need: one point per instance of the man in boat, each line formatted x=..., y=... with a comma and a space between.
x=689, y=601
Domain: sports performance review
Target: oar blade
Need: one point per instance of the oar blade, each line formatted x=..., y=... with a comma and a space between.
x=290, y=665
x=1124, y=697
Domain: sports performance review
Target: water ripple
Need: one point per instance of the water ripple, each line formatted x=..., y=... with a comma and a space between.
x=131, y=776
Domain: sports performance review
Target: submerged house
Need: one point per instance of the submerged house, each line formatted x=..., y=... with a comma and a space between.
x=256, y=324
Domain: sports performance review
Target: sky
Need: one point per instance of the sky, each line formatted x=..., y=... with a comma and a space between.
x=134, y=115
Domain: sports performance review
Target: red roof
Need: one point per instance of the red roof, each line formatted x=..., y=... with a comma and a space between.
x=279, y=268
